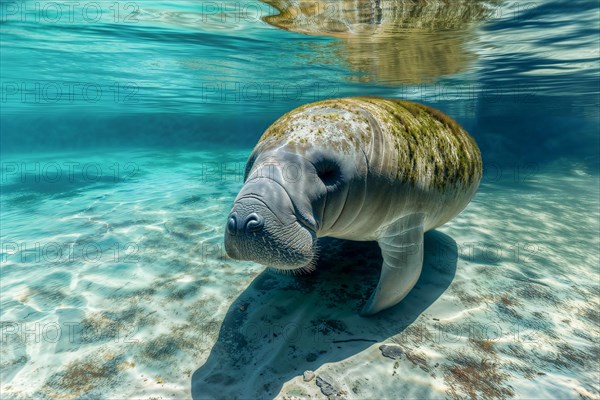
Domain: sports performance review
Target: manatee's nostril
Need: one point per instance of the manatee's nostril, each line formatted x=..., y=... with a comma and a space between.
x=254, y=222
x=232, y=225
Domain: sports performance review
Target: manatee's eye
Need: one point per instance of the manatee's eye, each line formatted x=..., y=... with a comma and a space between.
x=328, y=171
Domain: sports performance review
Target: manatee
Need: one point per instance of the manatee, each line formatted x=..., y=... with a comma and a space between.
x=357, y=168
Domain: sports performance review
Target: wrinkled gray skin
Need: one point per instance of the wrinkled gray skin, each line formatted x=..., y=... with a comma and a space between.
x=296, y=191
x=272, y=220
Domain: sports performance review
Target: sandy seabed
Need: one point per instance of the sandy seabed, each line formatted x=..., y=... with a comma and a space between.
x=115, y=284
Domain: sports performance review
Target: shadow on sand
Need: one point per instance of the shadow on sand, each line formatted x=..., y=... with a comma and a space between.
x=282, y=325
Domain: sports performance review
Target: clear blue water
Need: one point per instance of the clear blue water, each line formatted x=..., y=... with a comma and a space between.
x=124, y=131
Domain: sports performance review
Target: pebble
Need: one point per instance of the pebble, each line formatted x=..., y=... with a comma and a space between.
x=308, y=376
x=393, y=352
x=326, y=388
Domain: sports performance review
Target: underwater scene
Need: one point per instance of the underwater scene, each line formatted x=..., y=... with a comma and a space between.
x=125, y=262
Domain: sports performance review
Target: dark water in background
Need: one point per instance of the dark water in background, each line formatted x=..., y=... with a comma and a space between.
x=522, y=77
x=124, y=129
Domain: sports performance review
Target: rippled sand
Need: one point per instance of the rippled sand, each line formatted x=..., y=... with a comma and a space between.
x=115, y=284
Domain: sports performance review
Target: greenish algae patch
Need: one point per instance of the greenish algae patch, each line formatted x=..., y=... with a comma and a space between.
x=432, y=150
x=476, y=379
x=83, y=377
x=333, y=124
x=429, y=143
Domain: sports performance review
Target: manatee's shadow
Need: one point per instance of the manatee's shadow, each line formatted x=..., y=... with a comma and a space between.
x=282, y=325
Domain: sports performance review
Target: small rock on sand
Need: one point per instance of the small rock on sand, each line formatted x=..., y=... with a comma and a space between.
x=308, y=376
x=326, y=388
x=393, y=352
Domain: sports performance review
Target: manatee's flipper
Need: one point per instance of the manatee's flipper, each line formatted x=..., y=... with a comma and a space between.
x=402, y=249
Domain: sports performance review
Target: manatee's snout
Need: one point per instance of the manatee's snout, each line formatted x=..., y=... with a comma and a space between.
x=265, y=230
x=252, y=223
x=244, y=226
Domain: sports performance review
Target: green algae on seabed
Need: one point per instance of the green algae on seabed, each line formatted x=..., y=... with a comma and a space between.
x=86, y=376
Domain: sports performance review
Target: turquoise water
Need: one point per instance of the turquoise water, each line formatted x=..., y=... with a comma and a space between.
x=124, y=132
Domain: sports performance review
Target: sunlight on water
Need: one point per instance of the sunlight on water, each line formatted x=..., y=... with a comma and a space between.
x=125, y=128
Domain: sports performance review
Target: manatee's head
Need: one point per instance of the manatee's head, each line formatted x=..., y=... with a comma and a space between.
x=305, y=178
x=272, y=220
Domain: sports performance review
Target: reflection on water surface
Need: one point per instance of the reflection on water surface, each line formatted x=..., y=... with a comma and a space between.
x=390, y=42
